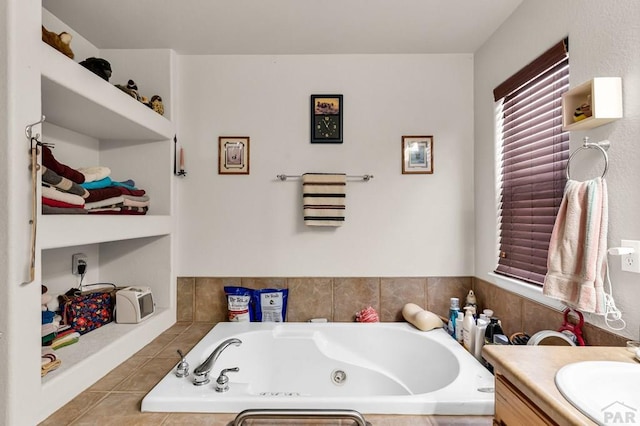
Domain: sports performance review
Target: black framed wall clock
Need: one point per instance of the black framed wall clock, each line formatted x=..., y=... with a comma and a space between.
x=326, y=118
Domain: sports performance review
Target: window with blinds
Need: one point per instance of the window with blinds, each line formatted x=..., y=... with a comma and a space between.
x=532, y=160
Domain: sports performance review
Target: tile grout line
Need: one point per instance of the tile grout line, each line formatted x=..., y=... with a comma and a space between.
x=89, y=408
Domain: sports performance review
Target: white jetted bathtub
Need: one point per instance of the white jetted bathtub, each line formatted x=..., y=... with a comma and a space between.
x=374, y=368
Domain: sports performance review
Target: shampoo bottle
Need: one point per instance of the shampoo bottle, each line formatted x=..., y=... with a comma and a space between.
x=467, y=324
x=453, y=315
x=459, y=331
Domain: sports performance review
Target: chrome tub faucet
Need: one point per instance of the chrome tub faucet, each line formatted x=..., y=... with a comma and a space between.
x=201, y=373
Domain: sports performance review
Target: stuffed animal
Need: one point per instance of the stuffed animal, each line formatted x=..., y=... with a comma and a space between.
x=130, y=89
x=60, y=42
x=45, y=298
x=98, y=66
x=156, y=104
x=133, y=87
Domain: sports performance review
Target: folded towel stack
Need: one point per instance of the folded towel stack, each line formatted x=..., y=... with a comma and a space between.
x=323, y=198
x=87, y=190
x=577, y=251
x=49, y=327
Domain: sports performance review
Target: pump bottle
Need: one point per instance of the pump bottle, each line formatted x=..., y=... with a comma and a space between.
x=467, y=325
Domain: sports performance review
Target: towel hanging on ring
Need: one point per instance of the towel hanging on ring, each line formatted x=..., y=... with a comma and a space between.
x=577, y=251
x=323, y=198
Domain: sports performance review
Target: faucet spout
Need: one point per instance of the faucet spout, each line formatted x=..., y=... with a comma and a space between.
x=205, y=368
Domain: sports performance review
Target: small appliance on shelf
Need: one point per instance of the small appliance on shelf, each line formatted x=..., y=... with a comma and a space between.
x=134, y=304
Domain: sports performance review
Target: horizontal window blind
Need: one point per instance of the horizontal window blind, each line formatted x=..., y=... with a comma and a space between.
x=533, y=156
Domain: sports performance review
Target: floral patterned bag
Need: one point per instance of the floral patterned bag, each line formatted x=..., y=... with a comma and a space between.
x=88, y=311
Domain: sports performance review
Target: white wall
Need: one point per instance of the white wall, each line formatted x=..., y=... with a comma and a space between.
x=604, y=39
x=396, y=225
x=19, y=106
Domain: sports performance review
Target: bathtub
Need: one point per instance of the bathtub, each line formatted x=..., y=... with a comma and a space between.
x=374, y=368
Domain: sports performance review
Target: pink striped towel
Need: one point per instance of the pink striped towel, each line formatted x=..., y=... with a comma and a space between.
x=577, y=251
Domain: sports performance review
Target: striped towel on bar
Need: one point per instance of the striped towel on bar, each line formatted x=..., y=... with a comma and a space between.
x=323, y=196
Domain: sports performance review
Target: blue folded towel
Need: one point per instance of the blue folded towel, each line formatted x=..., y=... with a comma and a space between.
x=47, y=317
x=107, y=182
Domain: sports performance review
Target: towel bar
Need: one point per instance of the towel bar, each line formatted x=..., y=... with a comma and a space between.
x=365, y=178
x=300, y=414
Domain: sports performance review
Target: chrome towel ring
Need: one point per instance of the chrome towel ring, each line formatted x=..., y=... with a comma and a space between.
x=602, y=146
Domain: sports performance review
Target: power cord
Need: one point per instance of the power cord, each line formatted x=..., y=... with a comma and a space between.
x=82, y=270
x=611, y=311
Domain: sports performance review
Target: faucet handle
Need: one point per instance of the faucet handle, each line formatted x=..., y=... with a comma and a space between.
x=222, y=383
x=182, y=369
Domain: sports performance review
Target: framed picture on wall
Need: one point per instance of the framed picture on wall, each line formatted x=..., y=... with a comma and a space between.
x=233, y=155
x=417, y=154
x=326, y=118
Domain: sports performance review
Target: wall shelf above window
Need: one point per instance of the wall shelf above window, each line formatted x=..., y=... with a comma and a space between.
x=604, y=94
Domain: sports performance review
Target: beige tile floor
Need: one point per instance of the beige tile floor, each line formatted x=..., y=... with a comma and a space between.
x=115, y=399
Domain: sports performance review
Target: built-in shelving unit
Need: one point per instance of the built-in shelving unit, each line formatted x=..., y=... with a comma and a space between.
x=603, y=94
x=95, y=123
x=74, y=98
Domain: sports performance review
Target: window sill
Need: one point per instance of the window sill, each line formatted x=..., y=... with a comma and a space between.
x=525, y=290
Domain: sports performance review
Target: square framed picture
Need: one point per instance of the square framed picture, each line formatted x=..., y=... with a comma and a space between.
x=326, y=118
x=233, y=155
x=417, y=154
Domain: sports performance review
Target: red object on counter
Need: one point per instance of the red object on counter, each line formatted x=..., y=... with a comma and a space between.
x=367, y=315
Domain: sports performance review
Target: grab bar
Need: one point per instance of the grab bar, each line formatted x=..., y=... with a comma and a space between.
x=282, y=414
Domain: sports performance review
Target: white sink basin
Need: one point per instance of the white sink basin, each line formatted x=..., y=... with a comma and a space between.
x=607, y=392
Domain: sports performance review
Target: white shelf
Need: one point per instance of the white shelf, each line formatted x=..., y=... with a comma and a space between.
x=57, y=230
x=75, y=98
x=129, y=137
x=97, y=353
x=605, y=96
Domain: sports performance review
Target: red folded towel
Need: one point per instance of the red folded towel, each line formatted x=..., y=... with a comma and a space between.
x=102, y=194
x=63, y=170
x=55, y=203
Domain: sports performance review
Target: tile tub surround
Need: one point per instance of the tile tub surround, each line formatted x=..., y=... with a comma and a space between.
x=202, y=299
x=337, y=299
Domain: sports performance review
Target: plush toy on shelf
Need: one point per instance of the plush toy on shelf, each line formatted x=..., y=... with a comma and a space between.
x=98, y=66
x=156, y=104
x=130, y=89
x=60, y=42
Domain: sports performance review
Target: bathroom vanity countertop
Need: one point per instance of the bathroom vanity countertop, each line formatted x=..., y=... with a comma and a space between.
x=532, y=370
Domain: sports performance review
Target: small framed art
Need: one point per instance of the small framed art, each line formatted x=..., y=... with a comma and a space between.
x=326, y=118
x=233, y=155
x=417, y=154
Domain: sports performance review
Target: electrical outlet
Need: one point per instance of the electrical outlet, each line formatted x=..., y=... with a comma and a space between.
x=631, y=262
x=78, y=260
